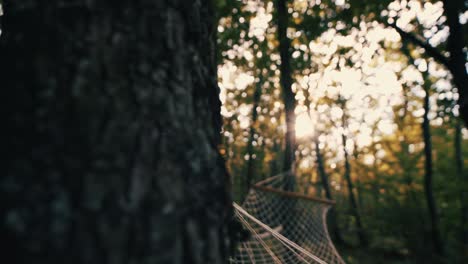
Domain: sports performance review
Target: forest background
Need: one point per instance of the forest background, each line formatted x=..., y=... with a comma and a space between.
x=375, y=113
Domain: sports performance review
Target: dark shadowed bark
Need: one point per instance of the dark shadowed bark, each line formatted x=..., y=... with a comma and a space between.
x=112, y=127
x=336, y=234
x=286, y=82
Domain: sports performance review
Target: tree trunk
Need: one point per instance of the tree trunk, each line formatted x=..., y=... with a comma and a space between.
x=112, y=127
x=404, y=145
x=326, y=186
x=463, y=191
x=359, y=185
x=347, y=177
x=455, y=45
x=455, y=63
x=250, y=149
x=274, y=163
x=286, y=82
x=428, y=172
x=321, y=171
x=352, y=199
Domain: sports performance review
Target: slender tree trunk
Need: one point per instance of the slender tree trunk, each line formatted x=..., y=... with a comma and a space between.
x=326, y=186
x=250, y=148
x=289, y=105
x=286, y=82
x=428, y=174
x=321, y=171
x=404, y=143
x=318, y=187
x=359, y=190
x=347, y=177
x=112, y=128
x=352, y=199
x=375, y=180
x=274, y=163
x=463, y=191
x=428, y=167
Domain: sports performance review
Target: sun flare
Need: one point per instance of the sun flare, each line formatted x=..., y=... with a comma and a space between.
x=304, y=126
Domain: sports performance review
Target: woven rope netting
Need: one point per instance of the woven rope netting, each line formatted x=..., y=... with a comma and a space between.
x=283, y=228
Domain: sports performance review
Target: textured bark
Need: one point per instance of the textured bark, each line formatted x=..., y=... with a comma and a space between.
x=112, y=127
x=428, y=173
x=326, y=186
x=286, y=82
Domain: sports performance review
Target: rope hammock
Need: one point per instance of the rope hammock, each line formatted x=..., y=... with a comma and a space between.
x=285, y=227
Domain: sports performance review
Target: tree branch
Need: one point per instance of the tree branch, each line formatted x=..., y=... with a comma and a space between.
x=415, y=39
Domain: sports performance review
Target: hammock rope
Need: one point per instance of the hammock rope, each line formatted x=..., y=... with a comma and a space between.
x=285, y=227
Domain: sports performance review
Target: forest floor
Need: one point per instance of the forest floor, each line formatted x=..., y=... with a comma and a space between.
x=355, y=255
